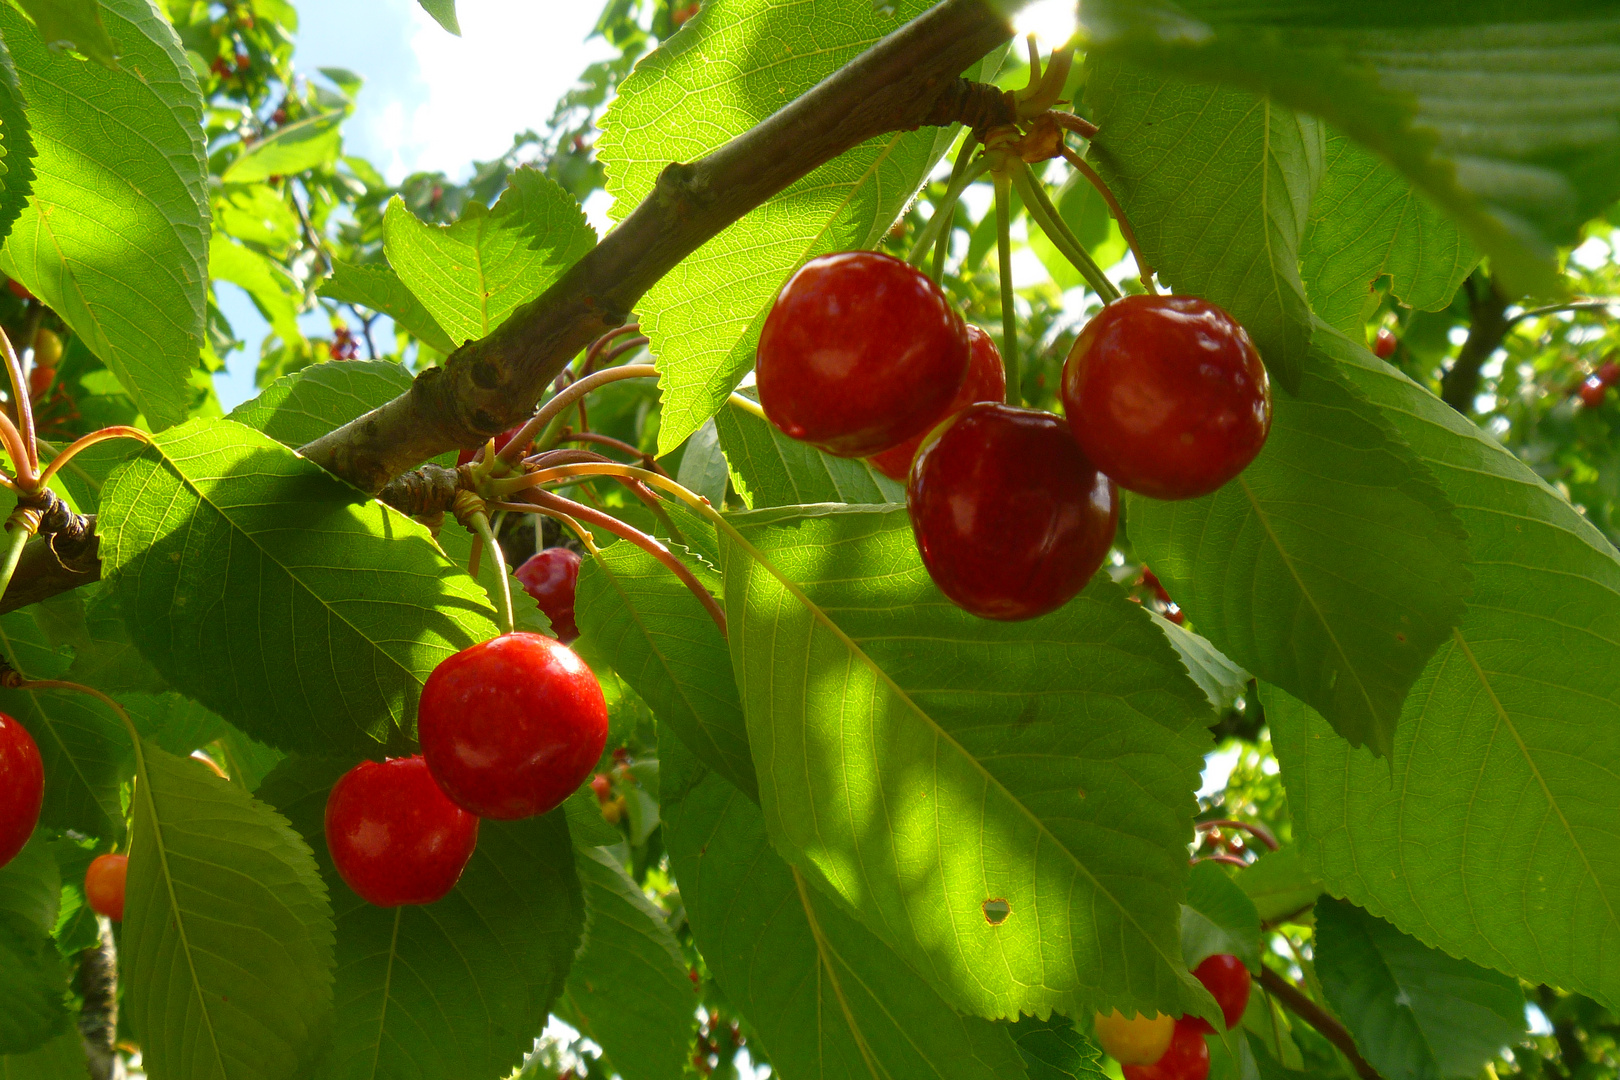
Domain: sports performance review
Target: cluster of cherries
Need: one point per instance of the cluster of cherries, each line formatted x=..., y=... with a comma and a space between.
x=508, y=727
x=1161, y=1048
x=1595, y=387
x=1014, y=509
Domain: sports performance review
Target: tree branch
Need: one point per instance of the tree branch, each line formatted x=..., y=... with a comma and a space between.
x=1488, y=324
x=1294, y=999
x=907, y=80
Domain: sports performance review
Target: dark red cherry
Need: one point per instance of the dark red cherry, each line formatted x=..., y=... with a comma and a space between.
x=1167, y=395
x=511, y=726
x=986, y=381
x=1609, y=372
x=104, y=885
x=1010, y=517
x=1227, y=980
x=1592, y=391
x=1187, y=1058
x=395, y=838
x=1384, y=344
x=859, y=353
x=550, y=577
x=22, y=787
x=500, y=444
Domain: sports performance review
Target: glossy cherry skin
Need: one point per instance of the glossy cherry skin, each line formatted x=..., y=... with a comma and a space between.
x=511, y=726
x=1186, y=1059
x=395, y=838
x=1227, y=981
x=1134, y=1040
x=1010, y=517
x=1592, y=391
x=22, y=787
x=550, y=576
x=986, y=381
x=1609, y=372
x=1384, y=344
x=859, y=353
x=104, y=885
x=1167, y=395
x=500, y=444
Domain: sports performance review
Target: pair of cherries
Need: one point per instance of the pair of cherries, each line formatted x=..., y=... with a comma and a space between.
x=509, y=728
x=1159, y=1048
x=1013, y=509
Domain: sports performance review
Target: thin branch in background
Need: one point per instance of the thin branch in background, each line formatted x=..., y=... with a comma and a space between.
x=1487, y=327
x=1326, y=1025
x=98, y=1017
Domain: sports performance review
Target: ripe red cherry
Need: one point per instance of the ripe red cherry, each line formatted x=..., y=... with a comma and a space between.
x=1187, y=1058
x=501, y=440
x=1609, y=372
x=986, y=381
x=859, y=353
x=1167, y=395
x=1010, y=517
x=1592, y=391
x=1384, y=344
x=104, y=885
x=511, y=726
x=550, y=576
x=19, y=290
x=394, y=836
x=1227, y=980
x=22, y=787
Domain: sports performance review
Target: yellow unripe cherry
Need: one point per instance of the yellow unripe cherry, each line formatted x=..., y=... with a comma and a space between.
x=1139, y=1040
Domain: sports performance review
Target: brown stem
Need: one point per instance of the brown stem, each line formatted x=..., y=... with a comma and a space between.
x=1294, y=999
x=646, y=459
x=1488, y=324
x=98, y=1018
x=1260, y=832
x=592, y=355
x=565, y=397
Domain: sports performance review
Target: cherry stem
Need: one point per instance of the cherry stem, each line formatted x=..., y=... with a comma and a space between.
x=513, y=451
x=646, y=459
x=129, y=725
x=1009, y=315
x=549, y=502
x=25, y=413
x=1079, y=164
x=1051, y=222
x=1230, y=860
x=942, y=243
x=1077, y=124
x=1602, y=305
x=945, y=210
x=17, y=536
x=593, y=354
x=748, y=405
x=106, y=434
x=478, y=521
x=1259, y=832
x=639, y=490
x=1295, y=1000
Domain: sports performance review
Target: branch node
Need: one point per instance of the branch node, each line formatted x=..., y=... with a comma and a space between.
x=979, y=106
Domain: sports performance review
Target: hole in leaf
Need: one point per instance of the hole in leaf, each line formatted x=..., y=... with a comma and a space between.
x=996, y=911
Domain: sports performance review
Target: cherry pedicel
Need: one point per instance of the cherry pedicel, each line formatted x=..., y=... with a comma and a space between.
x=466, y=456
x=22, y=787
x=1134, y=1040
x=986, y=381
x=104, y=885
x=1167, y=395
x=1010, y=517
x=551, y=576
x=859, y=352
x=1227, y=980
x=394, y=836
x=511, y=726
x=1187, y=1058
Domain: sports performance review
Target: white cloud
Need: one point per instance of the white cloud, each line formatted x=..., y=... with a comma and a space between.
x=514, y=59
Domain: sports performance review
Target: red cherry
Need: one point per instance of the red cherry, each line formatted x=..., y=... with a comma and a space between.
x=1167, y=395
x=1187, y=1058
x=19, y=290
x=394, y=836
x=1227, y=980
x=986, y=381
x=500, y=444
x=859, y=353
x=550, y=577
x=1010, y=517
x=511, y=726
x=602, y=787
x=39, y=381
x=1593, y=390
x=104, y=885
x=22, y=787
x=1609, y=372
x=1384, y=344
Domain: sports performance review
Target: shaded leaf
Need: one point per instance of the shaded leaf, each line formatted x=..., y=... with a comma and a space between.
x=115, y=238
x=16, y=145
x=1333, y=566
x=296, y=147
x=108, y=660
x=1416, y=1013
x=60, y=1059
x=1222, y=681
x=1280, y=884
x=273, y=292
x=227, y=940
x=924, y=763
x=826, y=998
x=628, y=990
x=33, y=984
x=770, y=469
x=1218, y=918
x=703, y=465
x=454, y=989
x=31, y=884
x=379, y=288
x=1054, y=1050
x=263, y=587
x=73, y=24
